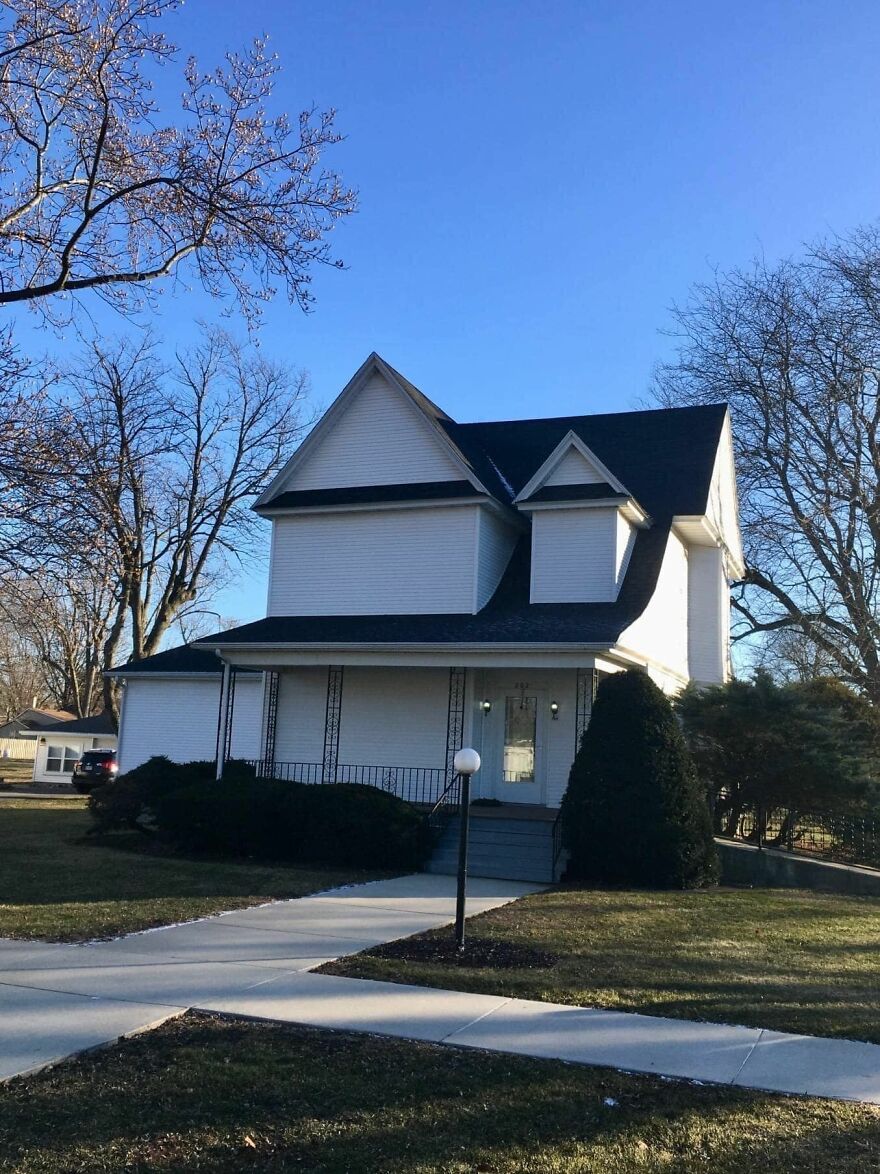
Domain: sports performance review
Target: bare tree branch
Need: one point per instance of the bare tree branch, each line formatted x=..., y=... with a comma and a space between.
x=100, y=195
x=795, y=350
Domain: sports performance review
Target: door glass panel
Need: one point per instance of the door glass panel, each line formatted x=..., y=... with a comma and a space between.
x=520, y=724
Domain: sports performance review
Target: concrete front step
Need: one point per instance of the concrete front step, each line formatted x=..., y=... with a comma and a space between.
x=514, y=848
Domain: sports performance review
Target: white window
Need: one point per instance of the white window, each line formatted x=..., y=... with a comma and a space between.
x=520, y=729
x=61, y=758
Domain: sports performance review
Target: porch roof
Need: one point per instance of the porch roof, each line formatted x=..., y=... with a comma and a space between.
x=187, y=660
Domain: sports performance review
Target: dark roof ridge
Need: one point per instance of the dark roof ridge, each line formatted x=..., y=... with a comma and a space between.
x=594, y=415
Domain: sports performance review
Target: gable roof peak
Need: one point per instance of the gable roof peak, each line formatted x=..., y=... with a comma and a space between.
x=437, y=421
x=571, y=441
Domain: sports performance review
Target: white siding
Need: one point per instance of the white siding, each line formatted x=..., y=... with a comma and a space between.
x=626, y=540
x=574, y=556
x=388, y=717
x=722, y=506
x=394, y=717
x=179, y=719
x=299, y=724
x=409, y=561
x=574, y=469
x=381, y=438
x=661, y=632
x=708, y=615
x=496, y=542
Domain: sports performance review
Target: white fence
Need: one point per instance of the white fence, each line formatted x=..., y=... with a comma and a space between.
x=18, y=748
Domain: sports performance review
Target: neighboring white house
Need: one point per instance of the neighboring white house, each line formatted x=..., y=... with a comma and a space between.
x=60, y=745
x=434, y=584
x=15, y=740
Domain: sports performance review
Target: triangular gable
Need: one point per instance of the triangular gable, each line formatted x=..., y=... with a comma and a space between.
x=380, y=430
x=571, y=463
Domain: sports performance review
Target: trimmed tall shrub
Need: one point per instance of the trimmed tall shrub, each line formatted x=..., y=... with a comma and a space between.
x=634, y=812
x=336, y=824
x=130, y=800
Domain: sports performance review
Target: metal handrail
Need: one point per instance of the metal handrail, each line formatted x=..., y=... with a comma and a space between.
x=556, y=842
x=442, y=811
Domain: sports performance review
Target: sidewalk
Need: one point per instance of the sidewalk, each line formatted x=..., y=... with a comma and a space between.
x=56, y=1000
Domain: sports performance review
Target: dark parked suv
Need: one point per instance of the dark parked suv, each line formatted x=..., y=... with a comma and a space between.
x=94, y=768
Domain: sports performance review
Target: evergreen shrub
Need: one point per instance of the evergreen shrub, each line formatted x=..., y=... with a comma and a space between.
x=634, y=812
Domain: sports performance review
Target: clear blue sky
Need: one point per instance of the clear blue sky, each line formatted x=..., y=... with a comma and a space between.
x=539, y=181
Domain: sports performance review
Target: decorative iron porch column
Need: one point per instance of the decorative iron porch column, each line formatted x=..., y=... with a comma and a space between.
x=271, y=722
x=455, y=719
x=587, y=681
x=224, y=718
x=332, y=722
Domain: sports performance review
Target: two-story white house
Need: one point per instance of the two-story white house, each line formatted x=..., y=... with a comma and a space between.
x=434, y=584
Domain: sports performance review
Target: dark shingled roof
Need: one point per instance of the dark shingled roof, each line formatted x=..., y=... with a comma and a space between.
x=664, y=458
x=186, y=658
x=102, y=723
x=366, y=494
x=508, y=618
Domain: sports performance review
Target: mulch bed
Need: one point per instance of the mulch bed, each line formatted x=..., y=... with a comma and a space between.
x=479, y=953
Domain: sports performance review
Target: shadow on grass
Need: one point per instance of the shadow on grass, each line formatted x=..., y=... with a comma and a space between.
x=202, y=1093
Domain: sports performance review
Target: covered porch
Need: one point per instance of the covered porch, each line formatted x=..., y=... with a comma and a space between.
x=398, y=726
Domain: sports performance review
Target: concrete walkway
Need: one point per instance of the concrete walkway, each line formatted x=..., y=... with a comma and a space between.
x=56, y=1000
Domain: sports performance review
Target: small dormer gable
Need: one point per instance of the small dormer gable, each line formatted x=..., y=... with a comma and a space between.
x=572, y=463
x=574, y=467
x=380, y=431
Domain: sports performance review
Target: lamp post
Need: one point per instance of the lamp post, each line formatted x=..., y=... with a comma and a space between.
x=465, y=764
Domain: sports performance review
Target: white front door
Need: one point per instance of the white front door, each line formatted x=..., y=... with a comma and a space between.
x=517, y=737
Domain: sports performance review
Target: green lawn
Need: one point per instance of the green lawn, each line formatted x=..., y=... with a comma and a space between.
x=792, y=960
x=56, y=885
x=208, y=1094
x=16, y=770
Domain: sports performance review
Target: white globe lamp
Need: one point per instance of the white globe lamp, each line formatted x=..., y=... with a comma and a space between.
x=466, y=761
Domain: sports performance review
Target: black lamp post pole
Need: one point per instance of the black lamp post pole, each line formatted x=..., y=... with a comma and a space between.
x=465, y=793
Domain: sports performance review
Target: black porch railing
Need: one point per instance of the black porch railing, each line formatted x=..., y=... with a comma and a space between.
x=843, y=837
x=424, y=785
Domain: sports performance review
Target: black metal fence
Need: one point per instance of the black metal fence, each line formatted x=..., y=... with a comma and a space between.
x=845, y=837
x=417, y=784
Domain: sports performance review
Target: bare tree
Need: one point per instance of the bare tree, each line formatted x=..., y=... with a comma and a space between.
x=100, y=194
x=795, y=350
x=22, y=681
x=28, y=443
x=160, y=470
x=55, y=630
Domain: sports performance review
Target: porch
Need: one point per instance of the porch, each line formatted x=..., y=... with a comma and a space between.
x=398, y=728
